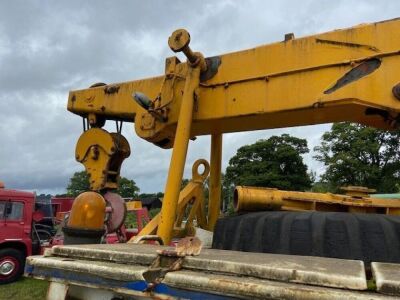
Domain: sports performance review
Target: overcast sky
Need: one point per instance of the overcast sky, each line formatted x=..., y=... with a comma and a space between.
x=50, y=47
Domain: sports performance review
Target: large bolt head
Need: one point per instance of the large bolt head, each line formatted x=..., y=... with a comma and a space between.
x=396, y=91
x=178, y=40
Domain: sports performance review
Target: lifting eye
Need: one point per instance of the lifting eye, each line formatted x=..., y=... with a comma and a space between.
x=200, y=169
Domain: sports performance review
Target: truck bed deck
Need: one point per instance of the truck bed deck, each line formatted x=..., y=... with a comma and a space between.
x=214, y=274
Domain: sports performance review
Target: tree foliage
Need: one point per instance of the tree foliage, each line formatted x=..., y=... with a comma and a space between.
x=127, y=188
x=184, y=182
x=79, y=183
x=359, y=155
x=227, y=189
x=151, y=195
x=275, y=162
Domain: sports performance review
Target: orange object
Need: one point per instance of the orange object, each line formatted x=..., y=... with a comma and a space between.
x=88, y=211
x=134, y=205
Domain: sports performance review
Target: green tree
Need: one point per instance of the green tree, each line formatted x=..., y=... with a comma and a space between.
x=359, y=155
x=321, y=187
x=151, y=195
x=127, y=188
x=227, y=189
x=184, y=183
x=275, y=162
x=79, y=183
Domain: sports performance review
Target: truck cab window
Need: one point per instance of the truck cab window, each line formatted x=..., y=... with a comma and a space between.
x=14, y=211
x=2, y=208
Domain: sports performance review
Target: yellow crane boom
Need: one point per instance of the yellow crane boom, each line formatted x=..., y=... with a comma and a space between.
x=344, y=75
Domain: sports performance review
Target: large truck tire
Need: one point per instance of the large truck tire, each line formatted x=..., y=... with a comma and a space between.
x=366, y=237
x=12, y=263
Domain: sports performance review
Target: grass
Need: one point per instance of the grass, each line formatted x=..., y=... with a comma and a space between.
x=24, y=289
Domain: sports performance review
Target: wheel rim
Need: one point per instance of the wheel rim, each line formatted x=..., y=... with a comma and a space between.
x=8, y=266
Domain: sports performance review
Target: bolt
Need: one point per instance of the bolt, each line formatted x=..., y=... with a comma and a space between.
x=178, y=36
x=396, y=91
x=189, y=54
x=179, y=42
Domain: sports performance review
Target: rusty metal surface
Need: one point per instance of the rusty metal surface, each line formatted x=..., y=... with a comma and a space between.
x=204, y=282
x=213, y=64
x=363, y=69
x=318, y=271
x=248, y=198
x=251, y=86
x=251, y=288
x=387, y=278
x=118, y=214
x=124, y=253
x=123, y=272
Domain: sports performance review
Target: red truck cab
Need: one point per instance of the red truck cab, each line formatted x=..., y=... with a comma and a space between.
x=61, y=206
x=16, y=235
